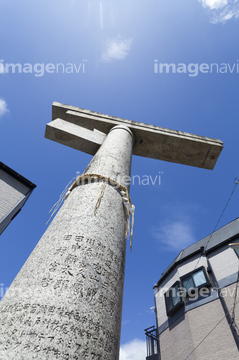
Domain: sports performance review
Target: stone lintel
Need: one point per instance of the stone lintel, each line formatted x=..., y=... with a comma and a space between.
x=150, y=141
x=75, y=136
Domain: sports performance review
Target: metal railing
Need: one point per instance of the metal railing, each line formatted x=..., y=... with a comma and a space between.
x=151, y=343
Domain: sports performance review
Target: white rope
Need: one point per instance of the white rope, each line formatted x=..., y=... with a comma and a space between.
x=62, y=197
x=102, y=190
x=123, y=191
x=131, y=209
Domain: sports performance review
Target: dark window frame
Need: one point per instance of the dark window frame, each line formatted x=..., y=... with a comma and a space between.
x=189, y=275
x=167, y=296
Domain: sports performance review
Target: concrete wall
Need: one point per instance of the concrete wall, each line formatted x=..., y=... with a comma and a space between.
x=179, y=340
x=13, y=195
x=228, y=293
x=11, y=192
x=187, y=328
x=224, y=262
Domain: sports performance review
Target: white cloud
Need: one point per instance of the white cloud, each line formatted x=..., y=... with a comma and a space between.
x=116, y=49
x=174, y=235
x=214, y=4
x=221, y=10
x=3, y=107
x=134, y=350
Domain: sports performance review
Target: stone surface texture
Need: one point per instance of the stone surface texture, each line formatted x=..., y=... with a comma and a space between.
x=75, y=136
x=150, y=141
x=66, y=301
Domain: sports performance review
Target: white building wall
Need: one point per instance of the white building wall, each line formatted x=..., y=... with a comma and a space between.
x=224, y=262
x=192, y=264
x=11, y=192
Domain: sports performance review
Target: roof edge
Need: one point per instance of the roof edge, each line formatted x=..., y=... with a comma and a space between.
x=17, y=176
x=178, y=259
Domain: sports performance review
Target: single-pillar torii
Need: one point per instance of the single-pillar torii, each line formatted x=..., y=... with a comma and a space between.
x=66, y=301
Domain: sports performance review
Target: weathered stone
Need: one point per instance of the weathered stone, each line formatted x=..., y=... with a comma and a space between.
x=150, y=141
x=66, y=301
x=75, y=136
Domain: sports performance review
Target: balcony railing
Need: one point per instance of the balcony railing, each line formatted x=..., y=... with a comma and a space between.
x=152, y=344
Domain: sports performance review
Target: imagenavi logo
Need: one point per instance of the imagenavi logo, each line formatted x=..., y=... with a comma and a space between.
x=194, y=69
x=40, y=69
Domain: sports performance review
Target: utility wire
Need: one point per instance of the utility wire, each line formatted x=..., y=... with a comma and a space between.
x=234, y=305
x=236, y=182
x=209, y=332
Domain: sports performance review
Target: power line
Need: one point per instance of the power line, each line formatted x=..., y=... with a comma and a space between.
x=236, y=182
x=234, y=305
x=210, y=332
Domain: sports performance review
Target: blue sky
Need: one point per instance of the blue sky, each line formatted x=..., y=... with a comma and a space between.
x=116, y=43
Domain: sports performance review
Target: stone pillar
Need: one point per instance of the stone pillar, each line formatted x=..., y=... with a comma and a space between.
x=66, y=301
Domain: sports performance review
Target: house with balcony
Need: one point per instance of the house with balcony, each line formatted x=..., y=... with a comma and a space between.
x=197, y=301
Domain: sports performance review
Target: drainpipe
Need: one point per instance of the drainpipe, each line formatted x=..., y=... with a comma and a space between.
x=157, y=333
x=223, y=303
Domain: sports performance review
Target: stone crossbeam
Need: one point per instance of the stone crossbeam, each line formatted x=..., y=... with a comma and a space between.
x=149, y=140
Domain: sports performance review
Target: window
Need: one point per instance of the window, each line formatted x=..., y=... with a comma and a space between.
x=195, y=280
x=173, y=299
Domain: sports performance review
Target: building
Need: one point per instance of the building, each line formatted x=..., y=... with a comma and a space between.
x=14, y=192
x=197, y=302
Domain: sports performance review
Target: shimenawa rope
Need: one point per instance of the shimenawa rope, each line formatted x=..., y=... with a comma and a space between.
x=130, y=208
